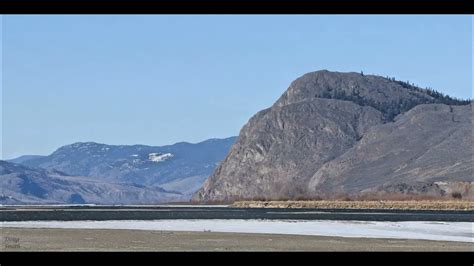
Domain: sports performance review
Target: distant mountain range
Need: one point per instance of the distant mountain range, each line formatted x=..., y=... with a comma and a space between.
x=157, y=173
x=24, y=158
x=333, y=134
x=27, y=185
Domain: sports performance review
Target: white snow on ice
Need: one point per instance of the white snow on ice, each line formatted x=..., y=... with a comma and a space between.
x=446, y=231
x=156, y=157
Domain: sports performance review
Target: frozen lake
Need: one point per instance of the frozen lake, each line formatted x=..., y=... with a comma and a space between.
x=446, y=231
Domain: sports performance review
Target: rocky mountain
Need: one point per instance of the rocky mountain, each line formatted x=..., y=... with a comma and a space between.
x=427, y=150
x=28, y=185
x=182, y=167
x=351, y=133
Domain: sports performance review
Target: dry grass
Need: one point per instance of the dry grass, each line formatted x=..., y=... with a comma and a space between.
x=362, y=204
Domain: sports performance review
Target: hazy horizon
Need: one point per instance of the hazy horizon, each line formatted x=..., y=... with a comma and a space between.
x=158, y=80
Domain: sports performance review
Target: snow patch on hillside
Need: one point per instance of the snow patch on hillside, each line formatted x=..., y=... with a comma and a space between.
x=157, y=157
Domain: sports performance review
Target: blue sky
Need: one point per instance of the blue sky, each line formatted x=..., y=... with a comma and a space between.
x=162, y=79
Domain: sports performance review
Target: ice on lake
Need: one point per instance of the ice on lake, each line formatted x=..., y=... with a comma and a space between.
x=446, y=231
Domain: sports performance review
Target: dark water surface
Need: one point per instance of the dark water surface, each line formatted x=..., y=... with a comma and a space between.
x=101, y=213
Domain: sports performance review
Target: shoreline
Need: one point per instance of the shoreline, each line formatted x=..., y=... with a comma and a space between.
x=27, y=239
x=436, y=205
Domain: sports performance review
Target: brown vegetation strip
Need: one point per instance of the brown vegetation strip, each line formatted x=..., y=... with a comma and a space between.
x=327, y=204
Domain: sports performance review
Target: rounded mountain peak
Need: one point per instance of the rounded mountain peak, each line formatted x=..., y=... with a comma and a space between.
x=384, y=94
x=79, y=147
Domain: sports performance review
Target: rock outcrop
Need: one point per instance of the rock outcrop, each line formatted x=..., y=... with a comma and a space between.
x=431, y=143
x=336, y=132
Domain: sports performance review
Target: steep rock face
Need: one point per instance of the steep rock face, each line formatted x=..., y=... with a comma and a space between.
x=430, y=143
x=281, y=148
x=321, y=116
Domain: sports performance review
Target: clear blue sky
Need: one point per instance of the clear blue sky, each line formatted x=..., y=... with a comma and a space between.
x=162, y=79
